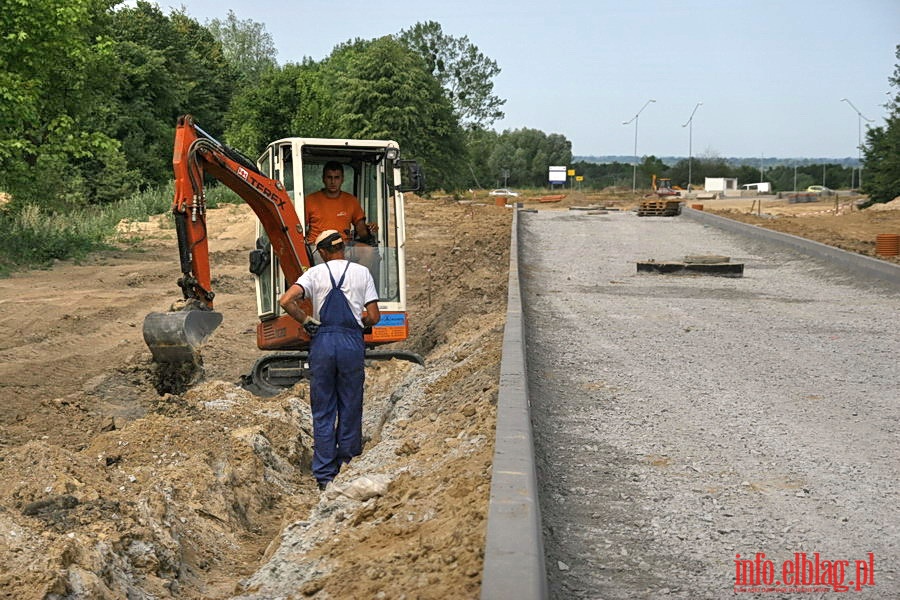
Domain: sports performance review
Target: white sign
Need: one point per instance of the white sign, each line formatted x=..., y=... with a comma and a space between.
x=557, y=174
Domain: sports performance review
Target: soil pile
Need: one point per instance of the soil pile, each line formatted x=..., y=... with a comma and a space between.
x=111, y=490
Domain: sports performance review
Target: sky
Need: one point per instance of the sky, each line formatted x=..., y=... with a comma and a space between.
x=771, y=74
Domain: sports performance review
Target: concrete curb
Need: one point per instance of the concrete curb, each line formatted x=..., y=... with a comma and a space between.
x=858, y=264
x=514, y=548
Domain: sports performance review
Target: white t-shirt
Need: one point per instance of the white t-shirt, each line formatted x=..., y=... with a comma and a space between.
x=358, y=286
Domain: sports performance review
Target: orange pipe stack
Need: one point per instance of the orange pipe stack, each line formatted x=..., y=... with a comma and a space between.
x=887, y=244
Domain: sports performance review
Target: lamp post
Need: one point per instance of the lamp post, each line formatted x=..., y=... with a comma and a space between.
x=690, y=122
x=859, y=120
x=634, y=167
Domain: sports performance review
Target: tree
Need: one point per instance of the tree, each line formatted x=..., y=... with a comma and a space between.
x=166, y=66
x=461, y=69
x=365, y=89
x=384, y=91
x=246, y=44
x=599, y=176
x=527, y=155
x=54, y=66
x=94, y=94
x=882, y=161
x=650, y=166
x=881, y=153
x=479, y=143
x=286, y=101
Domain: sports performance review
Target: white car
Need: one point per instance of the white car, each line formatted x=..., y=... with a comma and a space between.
x=503, y=192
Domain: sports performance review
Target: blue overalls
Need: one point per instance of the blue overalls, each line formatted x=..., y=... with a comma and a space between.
x=337, y=366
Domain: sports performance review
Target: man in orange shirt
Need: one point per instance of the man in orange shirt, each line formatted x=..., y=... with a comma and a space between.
x=332, y=208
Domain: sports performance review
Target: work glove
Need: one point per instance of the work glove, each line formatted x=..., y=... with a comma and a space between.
x=311, y=326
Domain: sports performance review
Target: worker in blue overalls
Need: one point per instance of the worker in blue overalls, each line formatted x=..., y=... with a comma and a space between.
x=345, y=302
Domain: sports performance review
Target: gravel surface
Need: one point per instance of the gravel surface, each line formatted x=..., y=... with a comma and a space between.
x=683, y=420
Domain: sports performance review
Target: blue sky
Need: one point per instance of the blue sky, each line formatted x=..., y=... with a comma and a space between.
x=770, y=73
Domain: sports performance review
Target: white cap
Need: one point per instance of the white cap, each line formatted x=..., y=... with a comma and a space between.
x=328, y=239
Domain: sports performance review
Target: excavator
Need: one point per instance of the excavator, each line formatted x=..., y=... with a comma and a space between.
x=662, y=187
x=274, y=188
x=662, y=201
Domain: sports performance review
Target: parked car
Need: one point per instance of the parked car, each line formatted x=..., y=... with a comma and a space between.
x=820, y=189
x=503, y=192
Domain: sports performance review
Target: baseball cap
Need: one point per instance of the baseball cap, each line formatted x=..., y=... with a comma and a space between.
x=328, y=239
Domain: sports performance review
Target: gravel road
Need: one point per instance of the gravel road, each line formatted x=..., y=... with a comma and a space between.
x=681, y=421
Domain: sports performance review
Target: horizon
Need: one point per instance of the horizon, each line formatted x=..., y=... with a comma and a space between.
x=759, y=78
x=806, y=160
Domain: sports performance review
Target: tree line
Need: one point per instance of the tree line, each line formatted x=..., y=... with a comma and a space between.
x=91, y=93
x=694, y=172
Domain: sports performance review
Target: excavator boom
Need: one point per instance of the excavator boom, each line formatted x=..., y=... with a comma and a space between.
x=174, y=337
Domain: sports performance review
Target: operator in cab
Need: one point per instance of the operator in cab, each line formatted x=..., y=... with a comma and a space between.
x=332, y=208
x=344, y=302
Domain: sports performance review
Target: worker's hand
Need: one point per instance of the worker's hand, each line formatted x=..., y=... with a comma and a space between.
x=373, y=228
x=311, y=326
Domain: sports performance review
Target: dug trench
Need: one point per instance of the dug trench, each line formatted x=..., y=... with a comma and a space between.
x=112, y=490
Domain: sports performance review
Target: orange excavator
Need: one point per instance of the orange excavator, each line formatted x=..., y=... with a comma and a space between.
x=663, y=201
x=275, y=188
x=662, y=187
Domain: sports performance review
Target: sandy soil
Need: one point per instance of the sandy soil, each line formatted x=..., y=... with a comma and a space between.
x=111, y=490
x=836, y=223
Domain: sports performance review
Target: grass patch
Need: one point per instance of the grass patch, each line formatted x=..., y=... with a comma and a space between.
x=31, y=238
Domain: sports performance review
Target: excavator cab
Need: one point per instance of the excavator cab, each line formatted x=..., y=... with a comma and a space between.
x=372, y=173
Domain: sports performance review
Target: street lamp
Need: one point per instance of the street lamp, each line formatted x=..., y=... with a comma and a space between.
x=690, y=122
x=859, y=119
x=634, y=168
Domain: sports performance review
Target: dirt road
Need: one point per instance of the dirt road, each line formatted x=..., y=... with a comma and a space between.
x=684, y=422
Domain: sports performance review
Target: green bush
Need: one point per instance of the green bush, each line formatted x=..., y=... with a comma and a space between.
x=32, y=237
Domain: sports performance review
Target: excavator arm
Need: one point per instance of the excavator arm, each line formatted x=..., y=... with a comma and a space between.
x=175, y=336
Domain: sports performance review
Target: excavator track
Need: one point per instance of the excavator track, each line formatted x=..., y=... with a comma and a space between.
x=276, y=372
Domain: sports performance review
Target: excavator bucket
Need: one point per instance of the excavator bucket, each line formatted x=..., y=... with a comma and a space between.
x=175, y=337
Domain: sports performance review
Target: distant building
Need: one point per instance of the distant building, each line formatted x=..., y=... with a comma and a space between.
x=721, y=184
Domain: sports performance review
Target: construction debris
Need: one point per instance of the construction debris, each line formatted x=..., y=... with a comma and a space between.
x=701, y=264
x=659, y=208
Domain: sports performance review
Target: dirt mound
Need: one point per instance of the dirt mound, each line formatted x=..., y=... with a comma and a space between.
x=851, y=230
x=892, y=205
x=114, y=491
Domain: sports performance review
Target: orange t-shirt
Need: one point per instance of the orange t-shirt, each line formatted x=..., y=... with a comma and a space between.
x=338, y=213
